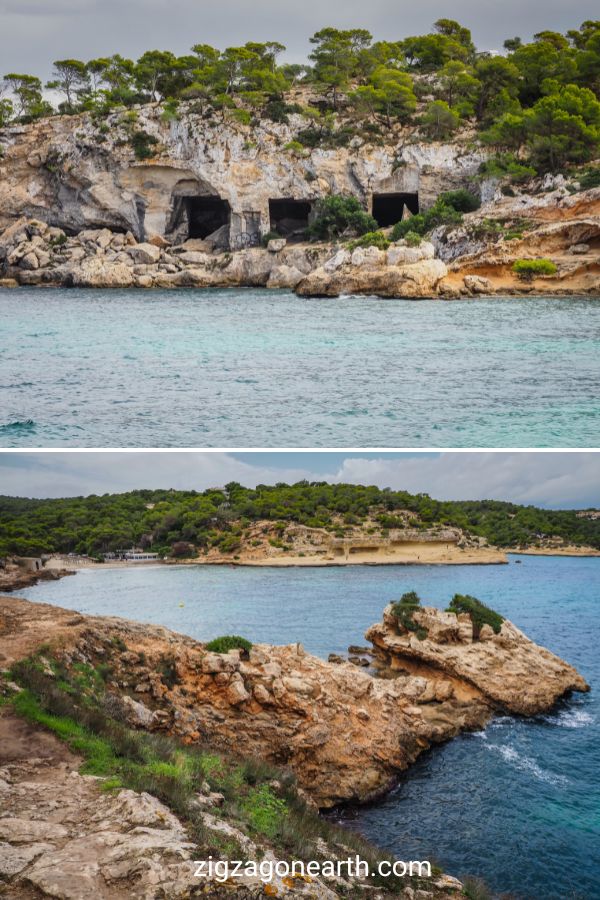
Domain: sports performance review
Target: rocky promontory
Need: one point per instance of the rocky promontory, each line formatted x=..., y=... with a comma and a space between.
x=138, y=698
x=505, y=670
x=344, y=733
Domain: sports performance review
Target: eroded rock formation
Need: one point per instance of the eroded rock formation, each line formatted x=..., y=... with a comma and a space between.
x=343, y=732
x=505, y=670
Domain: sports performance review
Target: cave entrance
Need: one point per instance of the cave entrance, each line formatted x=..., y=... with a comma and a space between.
x=206, y=215
x=388, y=208
x=289, y=218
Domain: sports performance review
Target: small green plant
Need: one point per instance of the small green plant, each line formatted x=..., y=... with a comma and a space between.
x=295, y=148
x=462, y=200
x=142, y=144
x=241, y=115
x=229, y=642
x=479, y=613
x=589, y=179
x=528, y=269
x=412, y=239
x=441, y=213
x=506, y=165
x=170, y=111
x=264, y=810
x=371, y=239
x=269, y=236
x=404, y=608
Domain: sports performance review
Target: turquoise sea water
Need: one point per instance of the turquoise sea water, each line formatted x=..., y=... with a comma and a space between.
x=254, y=368
x=517, y=804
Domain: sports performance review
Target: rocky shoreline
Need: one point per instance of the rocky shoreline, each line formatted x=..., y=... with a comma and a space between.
x=36, y=254
x=344, y=733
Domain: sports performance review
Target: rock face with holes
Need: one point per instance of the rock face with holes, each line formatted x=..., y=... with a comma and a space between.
x=506, y=670
x=207, y=174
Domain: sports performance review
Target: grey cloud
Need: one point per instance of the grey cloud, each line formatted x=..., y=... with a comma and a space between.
x=558, y=480
x=34, y=32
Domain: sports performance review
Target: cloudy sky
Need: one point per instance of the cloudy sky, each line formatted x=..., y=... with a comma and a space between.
x=35, y=32
x=559, y=480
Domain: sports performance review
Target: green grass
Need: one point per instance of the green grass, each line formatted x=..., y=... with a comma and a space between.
x=259, y=799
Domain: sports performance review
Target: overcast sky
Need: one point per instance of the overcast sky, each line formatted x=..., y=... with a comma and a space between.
x=559, y=480
x=35, y=32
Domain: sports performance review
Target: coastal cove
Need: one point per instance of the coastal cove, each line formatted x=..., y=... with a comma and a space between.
x=187, y=368
x=517, y=810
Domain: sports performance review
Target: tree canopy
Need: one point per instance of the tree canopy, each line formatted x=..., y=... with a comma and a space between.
x=540, y=98
x=159, y=519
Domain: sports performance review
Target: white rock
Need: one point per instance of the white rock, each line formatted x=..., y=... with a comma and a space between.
x=367, y=256
x=145, y=253
x=341, y=258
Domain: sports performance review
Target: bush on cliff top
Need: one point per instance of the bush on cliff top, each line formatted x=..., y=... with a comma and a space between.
x=480, y=613
x=403, y=610
x=229, y=642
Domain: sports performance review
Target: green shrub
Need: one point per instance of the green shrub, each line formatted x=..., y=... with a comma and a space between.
x=506, y=165
x=269, y=236
x=295, y=147
x=589, y=179
x=528, y=269
x=440, y=213
x=142, y=144
x=371, y=239
x=462, y=201
x=264, y=810
x=228, y=543
x=337, y=215
x=229, y=642
x=412, y=239
x=403, y=610
x=480, y=613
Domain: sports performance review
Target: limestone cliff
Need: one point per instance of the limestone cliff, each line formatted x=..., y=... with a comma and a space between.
x=75, y=173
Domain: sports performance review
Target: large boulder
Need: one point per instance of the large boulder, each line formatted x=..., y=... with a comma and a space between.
x=416, y=280
x=97, y=272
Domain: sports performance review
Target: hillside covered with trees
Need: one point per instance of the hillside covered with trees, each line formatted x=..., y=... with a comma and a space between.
x=217, y=517
x=537, y=102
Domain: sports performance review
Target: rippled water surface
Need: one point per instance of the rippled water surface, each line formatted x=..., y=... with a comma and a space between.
x=518, y=804
x=255, y=368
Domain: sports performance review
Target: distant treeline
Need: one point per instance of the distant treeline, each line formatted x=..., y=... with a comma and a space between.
x=218, y=517
x=539, y=97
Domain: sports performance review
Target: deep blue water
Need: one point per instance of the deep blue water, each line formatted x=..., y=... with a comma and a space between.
x=518, y=804
x=254, y=368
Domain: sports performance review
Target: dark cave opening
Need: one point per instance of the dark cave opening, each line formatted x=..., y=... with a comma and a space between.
x=206, y=215
x=388, y=208
x=289, y=217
